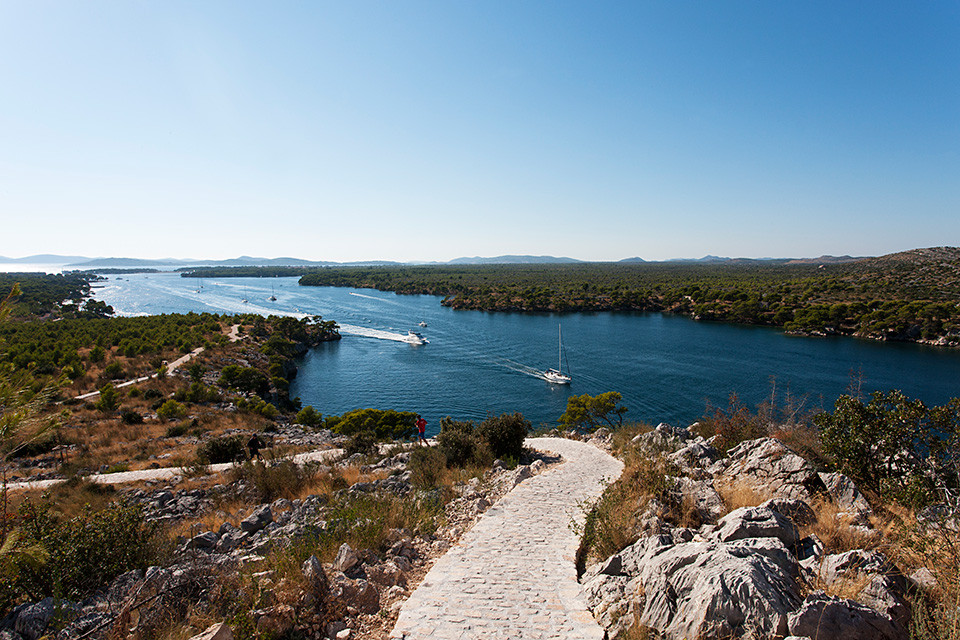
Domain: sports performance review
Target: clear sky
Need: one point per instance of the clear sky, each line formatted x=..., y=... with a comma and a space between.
x=431, y=130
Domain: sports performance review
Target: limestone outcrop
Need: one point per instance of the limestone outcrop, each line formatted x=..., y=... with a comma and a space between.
x=747, y=572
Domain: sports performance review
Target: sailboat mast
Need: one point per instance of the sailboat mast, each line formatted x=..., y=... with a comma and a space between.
x=559, y=348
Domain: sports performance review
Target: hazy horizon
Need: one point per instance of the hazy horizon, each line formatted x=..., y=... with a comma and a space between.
x=425, y=131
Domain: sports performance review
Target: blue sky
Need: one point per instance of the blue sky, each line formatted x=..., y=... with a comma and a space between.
x=431, y=130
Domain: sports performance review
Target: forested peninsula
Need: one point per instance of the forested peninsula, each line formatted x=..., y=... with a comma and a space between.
x=909, y=296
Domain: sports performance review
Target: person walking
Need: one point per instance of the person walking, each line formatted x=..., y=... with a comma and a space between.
x=254, y=444
x=421, y=427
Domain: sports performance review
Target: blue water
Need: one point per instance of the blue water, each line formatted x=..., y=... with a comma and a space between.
x=666, y=367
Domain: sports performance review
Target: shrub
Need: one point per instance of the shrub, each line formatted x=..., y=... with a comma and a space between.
x=171, y=410
x=426, y=467
x=114, y=371
x=281, y=479
x=109, y=399
x=364, y=442
x=83, y=552
x=388, y=425
x=459, y=441
x=198, y=393
x=309, y=417
x=587, y=413
x=893, y=445
x=505, y=434
x=131, y=417
x=222, y=449
x=732, y=426
x=245, y=379
x=258, y=406
x=178, y=429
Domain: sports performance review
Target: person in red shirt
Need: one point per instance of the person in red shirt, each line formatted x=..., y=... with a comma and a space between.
x=421, y=427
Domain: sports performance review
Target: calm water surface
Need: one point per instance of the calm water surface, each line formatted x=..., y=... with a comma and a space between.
x=666, y=367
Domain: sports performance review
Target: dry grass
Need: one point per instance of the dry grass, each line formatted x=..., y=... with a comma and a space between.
x=622, y=437
x=835, y=530
x=739, y=494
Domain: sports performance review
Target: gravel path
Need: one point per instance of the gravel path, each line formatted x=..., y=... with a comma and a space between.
x=122, y=477
x=513, y=574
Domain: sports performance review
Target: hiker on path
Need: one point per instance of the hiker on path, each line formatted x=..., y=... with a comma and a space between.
x=254, y=444
x=421, y=427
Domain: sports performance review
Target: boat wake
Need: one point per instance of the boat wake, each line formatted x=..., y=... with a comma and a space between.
x=366, y=332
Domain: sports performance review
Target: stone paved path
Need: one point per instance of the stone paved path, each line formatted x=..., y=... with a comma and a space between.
x=513, y=574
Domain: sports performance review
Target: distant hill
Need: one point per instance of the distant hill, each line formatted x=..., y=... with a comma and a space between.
x=826, y=260
x=632, y=260
x=43, y=258
x=514, y=260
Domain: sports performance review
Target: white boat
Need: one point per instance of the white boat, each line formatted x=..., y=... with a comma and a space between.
x=273, y=294
x=422, y=323
x=414, y=337
x=556, y=376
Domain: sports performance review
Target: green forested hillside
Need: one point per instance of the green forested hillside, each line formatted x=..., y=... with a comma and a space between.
x=912, y=295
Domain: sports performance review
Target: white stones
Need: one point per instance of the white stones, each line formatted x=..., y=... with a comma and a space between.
x=346, y=558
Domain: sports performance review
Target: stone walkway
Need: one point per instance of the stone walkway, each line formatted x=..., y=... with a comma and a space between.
x=513, y=574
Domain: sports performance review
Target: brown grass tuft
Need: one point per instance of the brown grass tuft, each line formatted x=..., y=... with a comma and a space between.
x=739, y=494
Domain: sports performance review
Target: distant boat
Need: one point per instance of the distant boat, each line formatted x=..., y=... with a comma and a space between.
x=414, y=337
x=273, y=294
x=556, y=376
x=422, y=323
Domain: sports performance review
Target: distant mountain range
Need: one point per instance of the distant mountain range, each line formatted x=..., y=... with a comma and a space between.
x=513, y=260
x=82, y=262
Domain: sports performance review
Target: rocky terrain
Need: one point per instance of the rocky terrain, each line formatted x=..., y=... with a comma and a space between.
x=752, y=571
x=358, y=594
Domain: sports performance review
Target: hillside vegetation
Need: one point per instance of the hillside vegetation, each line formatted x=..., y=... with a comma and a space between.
x=913, y=296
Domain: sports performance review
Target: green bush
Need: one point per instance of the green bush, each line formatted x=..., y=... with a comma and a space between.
x=364, y=442
x=426, y=467
x=258, y=406
x=114, y=371
x=82, y=553
x=198, y=393
x=222, y=449
x=131, y=417
x=171, y=410
x=152, y=394
x=109, y=399
x=459, y=442
x=388, y=425
x=245, y=379
x=282, y=479
x=504, y=434
x=309, y=417
x=894, y=446
x=588, y=413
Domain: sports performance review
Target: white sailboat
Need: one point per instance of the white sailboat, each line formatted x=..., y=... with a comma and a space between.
x=556, y=376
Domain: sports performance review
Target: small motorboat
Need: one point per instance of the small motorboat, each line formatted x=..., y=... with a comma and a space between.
x=414, y=337
x=422, y=323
